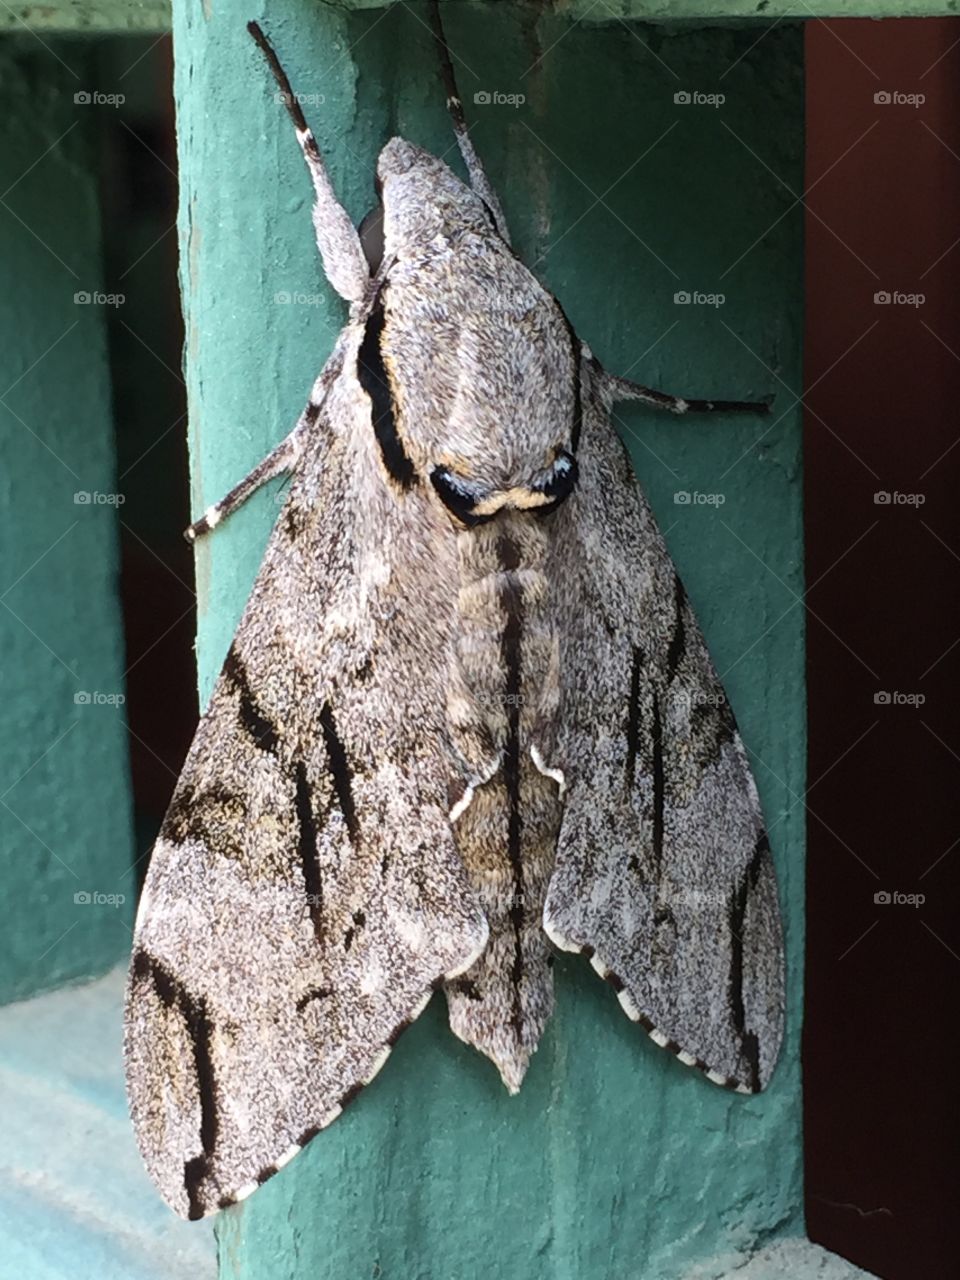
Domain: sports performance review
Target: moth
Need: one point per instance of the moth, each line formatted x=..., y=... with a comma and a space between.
x=467, y=717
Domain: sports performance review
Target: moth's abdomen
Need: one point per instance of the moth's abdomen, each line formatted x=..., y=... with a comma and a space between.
x=501, y=708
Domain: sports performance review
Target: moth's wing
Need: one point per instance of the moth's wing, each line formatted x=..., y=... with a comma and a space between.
x=305, y=893
x=663, y=872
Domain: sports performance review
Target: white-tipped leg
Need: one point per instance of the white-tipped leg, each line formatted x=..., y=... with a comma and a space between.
x=624, y=389
x=279, y=461
x=478, y=178
x=337, y=239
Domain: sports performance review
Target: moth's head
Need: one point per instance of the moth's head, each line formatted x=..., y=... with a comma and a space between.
x=421, y=200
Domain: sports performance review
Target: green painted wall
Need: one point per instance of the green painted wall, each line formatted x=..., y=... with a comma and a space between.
x=155, y=15
x=64, y=805
x=614, y=1161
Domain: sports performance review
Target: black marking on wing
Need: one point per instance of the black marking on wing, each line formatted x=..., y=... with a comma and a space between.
x=678, y=638
x=466, y=987
x=340, y=769
x=313, y=993
x=212, y=816
x=373, y=377
x=737, y=911
x=262, y=731
x=511, y=599
x=307, y=848
x=359, y=920
x=193, y=1010
x=659, y=786
x=633, y=715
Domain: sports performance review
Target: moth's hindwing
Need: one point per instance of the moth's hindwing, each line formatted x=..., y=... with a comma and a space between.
x=663, y=873
x=305, y=893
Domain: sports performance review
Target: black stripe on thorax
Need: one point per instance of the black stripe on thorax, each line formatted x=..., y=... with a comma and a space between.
x=373, y=377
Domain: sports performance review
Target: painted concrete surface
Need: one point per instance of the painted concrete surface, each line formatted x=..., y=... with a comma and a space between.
x=155, y=15
x=75, y=1200
x=66, y=843
x=614, y=1160
x=786, y=1260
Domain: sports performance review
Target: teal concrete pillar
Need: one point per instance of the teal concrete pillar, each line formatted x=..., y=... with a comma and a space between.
x=66, y=845
x=650, y=177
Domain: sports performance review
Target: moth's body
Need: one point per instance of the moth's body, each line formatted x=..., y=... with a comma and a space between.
x=467, y=715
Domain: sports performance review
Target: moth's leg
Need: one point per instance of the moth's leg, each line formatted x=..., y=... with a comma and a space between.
x=343, y=261
x=478, y=178
x=623, y=389
x=278, y=462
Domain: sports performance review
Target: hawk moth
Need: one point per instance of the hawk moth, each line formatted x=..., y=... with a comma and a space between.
x=467, y=716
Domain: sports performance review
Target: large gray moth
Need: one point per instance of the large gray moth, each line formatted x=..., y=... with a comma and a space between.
x=467, y=714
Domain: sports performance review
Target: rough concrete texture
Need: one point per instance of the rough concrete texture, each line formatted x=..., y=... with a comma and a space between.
x=154, y=15
x=65, y=821
x=614, y=1160
x=75, y=1200
x=786, y=1260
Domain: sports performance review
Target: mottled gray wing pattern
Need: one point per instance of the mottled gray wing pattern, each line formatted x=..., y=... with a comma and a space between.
x=663, y=873
x=305, y=893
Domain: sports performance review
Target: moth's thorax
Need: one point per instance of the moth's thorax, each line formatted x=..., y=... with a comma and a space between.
x=480, y=358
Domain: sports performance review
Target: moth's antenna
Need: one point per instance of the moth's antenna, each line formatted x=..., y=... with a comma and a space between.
x=478, y=178
x=283, y=82
x=343, y=261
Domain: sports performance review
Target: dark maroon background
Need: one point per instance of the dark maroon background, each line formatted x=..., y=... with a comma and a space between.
x=883, y=980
